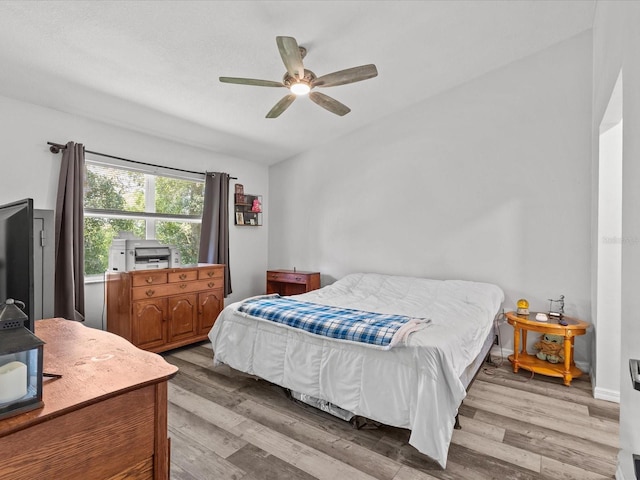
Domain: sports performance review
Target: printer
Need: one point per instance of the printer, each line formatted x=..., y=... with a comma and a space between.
x=129, y=253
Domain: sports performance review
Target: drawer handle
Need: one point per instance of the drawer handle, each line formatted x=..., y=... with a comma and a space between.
x=210, y=274
x=150, y=292
x=183, y=276
x=275, y=276
x=211, y=284
x=183, y=285
x=298, y=278
x=149, y=279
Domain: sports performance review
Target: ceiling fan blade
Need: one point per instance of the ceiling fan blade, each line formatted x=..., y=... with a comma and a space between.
x=251, y=81
x=329, y=103
x=350, y=75
x=281, y=106
x=291, y=57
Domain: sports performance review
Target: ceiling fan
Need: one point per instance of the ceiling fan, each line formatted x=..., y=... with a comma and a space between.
x=301, y=81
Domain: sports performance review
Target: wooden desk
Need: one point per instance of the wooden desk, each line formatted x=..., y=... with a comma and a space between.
x=292, y=282
x=106, y=418
x=521, y=359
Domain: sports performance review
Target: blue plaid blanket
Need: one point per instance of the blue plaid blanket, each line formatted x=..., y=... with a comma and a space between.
x=378, y=329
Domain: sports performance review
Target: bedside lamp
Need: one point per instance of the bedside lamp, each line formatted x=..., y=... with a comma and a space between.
x=20, y=362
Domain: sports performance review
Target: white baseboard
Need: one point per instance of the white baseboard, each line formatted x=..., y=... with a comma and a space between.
x=600, y=393
x=584, y=366
x=606, y=394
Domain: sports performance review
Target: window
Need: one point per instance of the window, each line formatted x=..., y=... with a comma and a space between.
x=150, y=205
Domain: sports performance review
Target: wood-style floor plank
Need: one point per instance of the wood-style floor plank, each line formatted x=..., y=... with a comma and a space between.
x=344, y=450
x=206, y=434
x=582, y=427
x=514, y=427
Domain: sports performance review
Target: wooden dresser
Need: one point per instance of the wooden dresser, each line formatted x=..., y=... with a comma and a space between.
x=292, y=282
x=158, y=310
x=105, y=418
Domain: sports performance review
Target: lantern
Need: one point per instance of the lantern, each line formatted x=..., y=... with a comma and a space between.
x=20, y=362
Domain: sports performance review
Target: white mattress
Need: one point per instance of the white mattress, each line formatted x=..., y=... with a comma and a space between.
x=416, y=386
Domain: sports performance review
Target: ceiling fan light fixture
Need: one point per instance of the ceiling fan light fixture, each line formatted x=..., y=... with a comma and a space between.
x=300, y=81
x=300, y=88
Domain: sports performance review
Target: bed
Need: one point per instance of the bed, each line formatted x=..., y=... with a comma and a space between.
x=417, y=384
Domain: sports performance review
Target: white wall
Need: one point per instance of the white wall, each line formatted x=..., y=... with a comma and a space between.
x=615, y=46
x=605, y=378
x=30, y=170
x=489, y=182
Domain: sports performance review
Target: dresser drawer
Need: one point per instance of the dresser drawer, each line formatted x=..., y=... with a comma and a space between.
x=287, y=277
x=149, y=278
x=214, y=272
x=155, y=291
x=217, y=282
x=183, y=276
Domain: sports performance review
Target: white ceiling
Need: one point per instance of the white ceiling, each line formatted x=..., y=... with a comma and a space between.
x=153, y=66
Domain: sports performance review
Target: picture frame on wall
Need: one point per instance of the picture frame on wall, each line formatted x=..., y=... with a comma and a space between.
x=239, y=218
x=239, y=188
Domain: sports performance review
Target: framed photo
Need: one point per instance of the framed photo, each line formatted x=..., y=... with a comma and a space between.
x=239, y=188
x=239, y=218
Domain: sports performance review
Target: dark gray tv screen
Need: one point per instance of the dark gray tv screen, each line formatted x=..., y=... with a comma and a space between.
x=16, y=255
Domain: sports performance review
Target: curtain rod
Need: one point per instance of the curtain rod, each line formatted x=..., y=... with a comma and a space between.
x=56, y=147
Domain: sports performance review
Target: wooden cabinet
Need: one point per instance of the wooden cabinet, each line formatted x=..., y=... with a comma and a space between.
x=104, y=418
x=292, y=282
x=159, y=310
x=210, y=304
x=147, y=329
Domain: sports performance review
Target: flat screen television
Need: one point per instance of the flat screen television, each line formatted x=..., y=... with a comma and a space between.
x=16, y=255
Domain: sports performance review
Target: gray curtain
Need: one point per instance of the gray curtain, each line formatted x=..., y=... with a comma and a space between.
x=214, y=236
x=69, y=223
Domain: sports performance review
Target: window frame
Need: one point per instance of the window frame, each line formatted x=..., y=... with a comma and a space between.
x=150, y=218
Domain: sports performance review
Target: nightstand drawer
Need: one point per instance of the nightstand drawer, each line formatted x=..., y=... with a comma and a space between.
x=287, y=277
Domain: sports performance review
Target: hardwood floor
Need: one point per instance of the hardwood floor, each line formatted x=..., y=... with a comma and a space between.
x=513, y=427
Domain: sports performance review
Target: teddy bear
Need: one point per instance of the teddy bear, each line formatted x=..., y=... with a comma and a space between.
x=550, y=348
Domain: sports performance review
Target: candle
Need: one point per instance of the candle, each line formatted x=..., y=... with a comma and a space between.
x=13, y=381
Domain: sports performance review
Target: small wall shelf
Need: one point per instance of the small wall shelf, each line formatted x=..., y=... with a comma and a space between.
x=248, y=210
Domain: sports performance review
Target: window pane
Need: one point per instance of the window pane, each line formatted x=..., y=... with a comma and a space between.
x=98, y=235
x=120, y=190
x=114, y=188
x=183, y=235
x=180, y=197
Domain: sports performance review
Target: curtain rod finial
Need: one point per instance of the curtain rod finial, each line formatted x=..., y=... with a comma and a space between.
x=54, y=149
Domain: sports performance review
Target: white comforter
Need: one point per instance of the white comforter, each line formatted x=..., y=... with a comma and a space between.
x=416, y=386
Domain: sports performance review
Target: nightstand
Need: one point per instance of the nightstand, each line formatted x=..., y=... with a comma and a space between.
x=521, y=359
x=292, y=282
